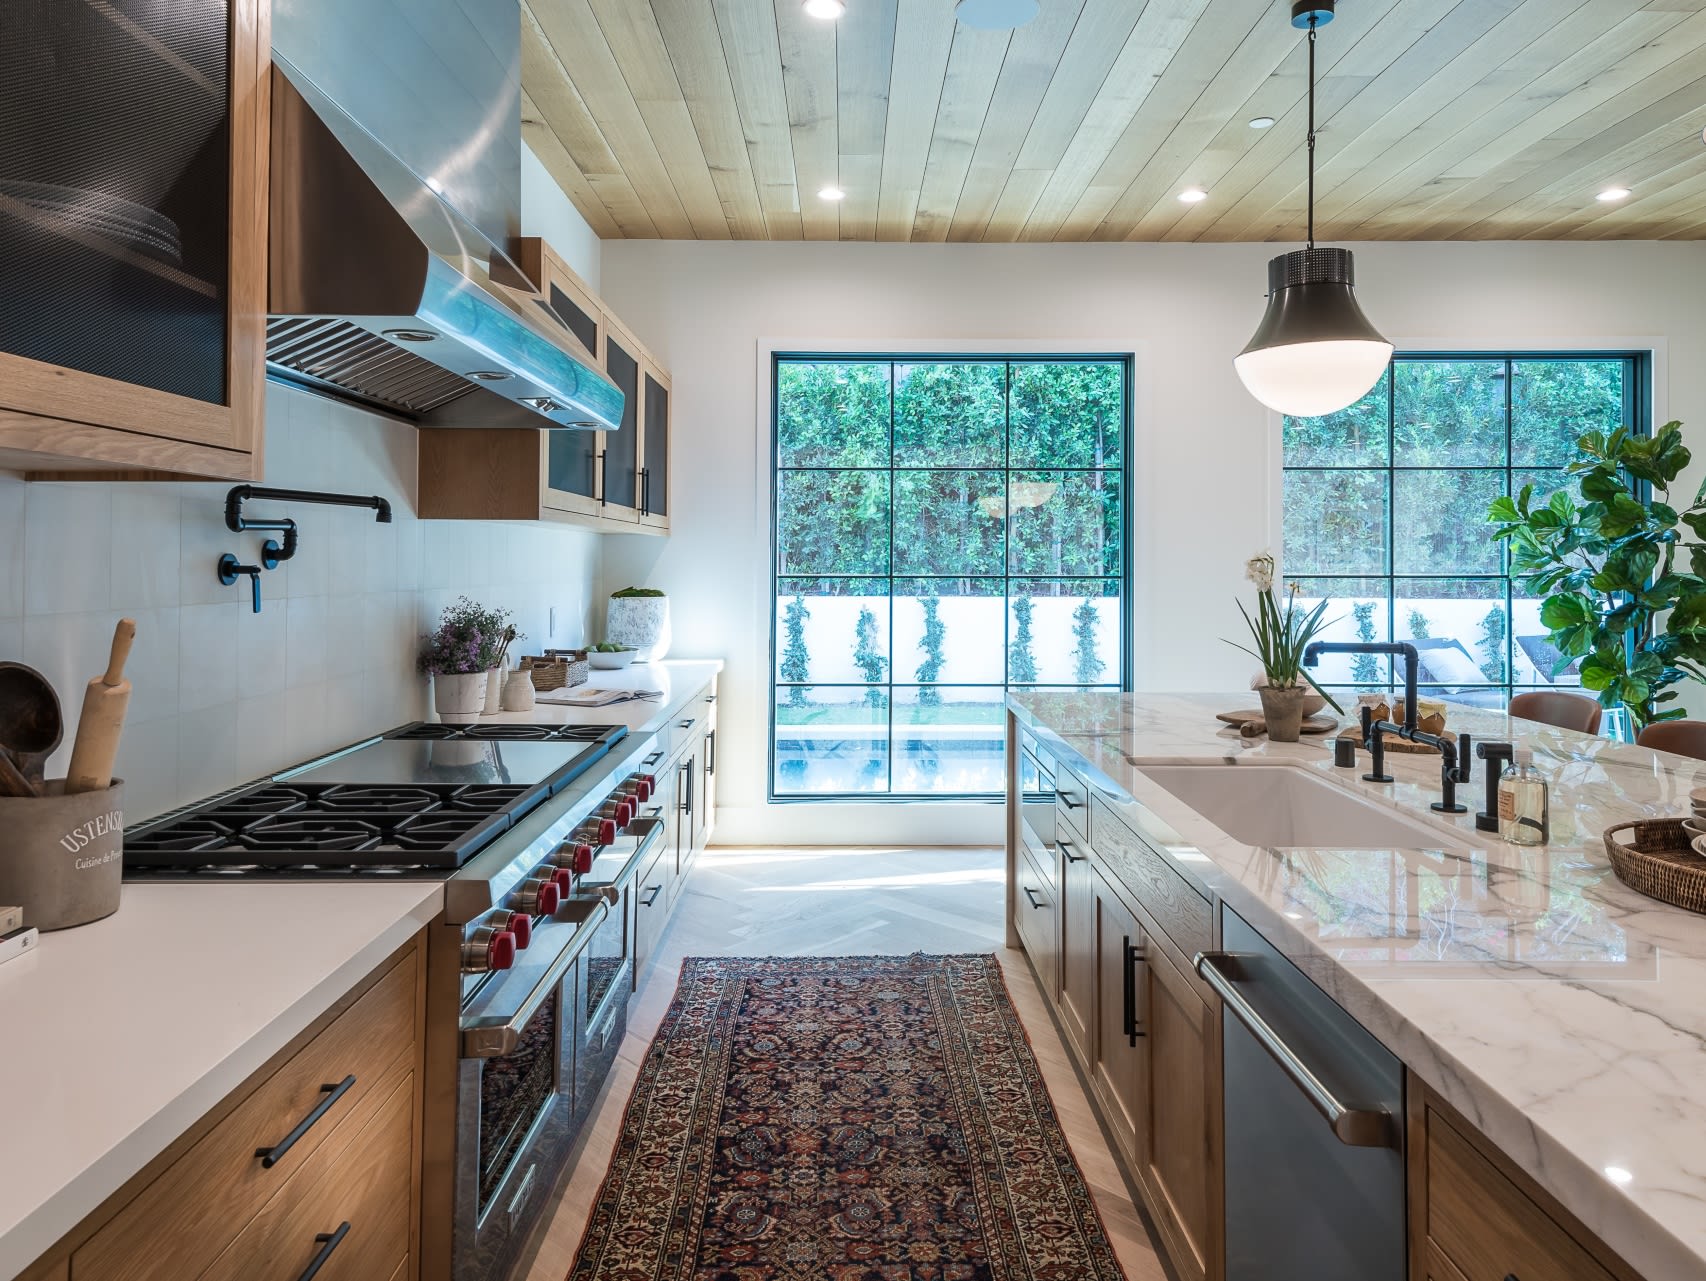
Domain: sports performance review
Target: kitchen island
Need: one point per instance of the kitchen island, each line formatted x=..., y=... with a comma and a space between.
x=1554, y=1009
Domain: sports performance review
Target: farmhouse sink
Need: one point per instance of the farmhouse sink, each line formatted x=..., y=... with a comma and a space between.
x=1281, y=805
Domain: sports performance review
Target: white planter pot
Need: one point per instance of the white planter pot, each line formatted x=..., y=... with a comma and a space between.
x=458, y=697
x=642, y=622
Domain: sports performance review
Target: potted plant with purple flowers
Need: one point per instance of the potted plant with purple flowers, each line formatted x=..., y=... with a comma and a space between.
x=469, y=641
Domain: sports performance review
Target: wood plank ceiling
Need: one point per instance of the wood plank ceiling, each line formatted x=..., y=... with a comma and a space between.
x=1441, y=119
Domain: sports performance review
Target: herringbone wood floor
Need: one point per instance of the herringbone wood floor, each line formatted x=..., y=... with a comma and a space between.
x=826, y=902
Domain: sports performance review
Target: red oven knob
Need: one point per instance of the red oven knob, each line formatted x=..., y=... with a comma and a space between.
x=521, y=925
x=564, y=881
x=606, y=831
x=576, y=857
x=488, y=948
x=537, y=896
x=638, y=788
x=621, y=813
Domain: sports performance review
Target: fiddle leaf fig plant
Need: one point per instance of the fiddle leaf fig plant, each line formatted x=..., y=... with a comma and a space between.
x=1624, y=591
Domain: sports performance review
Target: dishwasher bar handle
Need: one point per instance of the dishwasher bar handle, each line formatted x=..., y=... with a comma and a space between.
x=1354, y=1127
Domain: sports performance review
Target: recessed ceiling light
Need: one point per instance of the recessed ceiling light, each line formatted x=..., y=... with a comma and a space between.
x=995, y=15
x=1193, y=195
x=831, y=193
x=828, y=10
x=1262, y=122
x=1613, y=193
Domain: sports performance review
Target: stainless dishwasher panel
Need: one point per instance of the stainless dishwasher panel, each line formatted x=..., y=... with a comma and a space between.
x=1306, y=1199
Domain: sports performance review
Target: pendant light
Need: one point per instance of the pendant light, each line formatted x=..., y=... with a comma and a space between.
x=1314, y=352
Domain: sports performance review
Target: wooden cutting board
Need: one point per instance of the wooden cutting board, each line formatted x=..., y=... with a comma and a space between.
x=1252, y=723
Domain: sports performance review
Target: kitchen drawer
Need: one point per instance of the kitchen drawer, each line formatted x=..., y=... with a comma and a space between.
x=1072, y=803
x=201, y=1201
x=651, y=909
x=1487, y=1226
x=363, y=1183
x=1039, y=928
x=689, y=722
x=1183, y=915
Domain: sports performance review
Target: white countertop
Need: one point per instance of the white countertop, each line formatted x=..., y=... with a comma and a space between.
x=675, y=679
x=121, y=1034
x=1559, y=1010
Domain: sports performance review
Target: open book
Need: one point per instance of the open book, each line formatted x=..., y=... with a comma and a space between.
x=593, y=696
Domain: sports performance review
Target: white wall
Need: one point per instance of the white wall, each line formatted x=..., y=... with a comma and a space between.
x=1206, y=461
x=548, y=213
x=223, y=695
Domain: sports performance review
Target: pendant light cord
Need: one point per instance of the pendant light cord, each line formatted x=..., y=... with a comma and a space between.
x=1311, y=244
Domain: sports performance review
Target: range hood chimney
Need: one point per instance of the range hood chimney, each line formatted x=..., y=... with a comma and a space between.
x=381, y=289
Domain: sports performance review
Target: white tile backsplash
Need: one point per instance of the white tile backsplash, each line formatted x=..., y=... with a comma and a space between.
x=222, y=695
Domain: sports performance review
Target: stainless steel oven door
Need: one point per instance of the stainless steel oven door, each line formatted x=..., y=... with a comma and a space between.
x=516, y=1107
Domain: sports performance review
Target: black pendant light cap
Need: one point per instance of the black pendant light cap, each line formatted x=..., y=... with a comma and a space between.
x=1307, y=12
x=1323, y=266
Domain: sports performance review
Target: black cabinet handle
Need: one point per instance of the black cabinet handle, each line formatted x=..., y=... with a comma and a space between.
x=645, y=491
x=687, y=724
x=710, y=753
x=710, y=698
x=273, y=1155
x=654, y=758
x=1065, y=798
x=1030, y=894
x=1133, y=954
x=327, y=1241
x=652, y=892
x=1066, y=849
x=603, y=477
x=687, y=796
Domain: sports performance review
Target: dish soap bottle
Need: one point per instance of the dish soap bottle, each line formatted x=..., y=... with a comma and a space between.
x=1524, y=814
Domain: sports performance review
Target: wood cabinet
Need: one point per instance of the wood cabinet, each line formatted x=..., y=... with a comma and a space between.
x=1474, y=1216
x=316, y=1157
x=611, y=482
x=1116, y=1061
x=1078, y=960
x=134, y=229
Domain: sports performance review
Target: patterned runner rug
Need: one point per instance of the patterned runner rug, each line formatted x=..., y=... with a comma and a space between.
x=850, y=1118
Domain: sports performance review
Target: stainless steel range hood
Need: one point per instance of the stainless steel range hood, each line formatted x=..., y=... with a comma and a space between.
x=380, y=291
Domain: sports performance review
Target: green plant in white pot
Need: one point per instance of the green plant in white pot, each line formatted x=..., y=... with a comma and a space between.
x=639, y=617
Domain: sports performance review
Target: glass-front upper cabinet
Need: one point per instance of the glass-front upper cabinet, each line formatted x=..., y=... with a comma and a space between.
x=621, y=450
x=133, y=188
x=654, y=448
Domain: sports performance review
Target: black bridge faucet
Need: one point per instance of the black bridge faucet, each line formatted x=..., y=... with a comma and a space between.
x=1455, y=761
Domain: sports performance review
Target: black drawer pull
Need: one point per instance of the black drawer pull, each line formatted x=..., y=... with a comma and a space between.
x=652, y=895
x=327, y=1241
x=1510, y=1276
x=1133, y=954
x=654, y=758
x=1066, y=849
x=273, y=1155
x=687, y=724
x=1031, y=894
x=710, y=698
x=1065, y=798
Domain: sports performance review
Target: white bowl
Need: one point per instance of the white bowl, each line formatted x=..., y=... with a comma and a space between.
x=607, y=661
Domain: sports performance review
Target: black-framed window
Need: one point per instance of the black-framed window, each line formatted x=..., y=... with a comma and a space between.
x=1386, y=503
x=945, y=528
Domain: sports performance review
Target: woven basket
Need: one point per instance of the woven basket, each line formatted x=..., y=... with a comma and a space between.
x=1656, y=860
x=557, y=668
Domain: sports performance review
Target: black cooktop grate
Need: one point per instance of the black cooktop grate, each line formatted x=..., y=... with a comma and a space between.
x=333, y=826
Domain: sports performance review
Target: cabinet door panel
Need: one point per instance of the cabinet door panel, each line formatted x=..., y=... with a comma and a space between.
x=1177, y=1157
x=621, y=489
x=654, y=488
x=1117, y=1061
x=1077, y=948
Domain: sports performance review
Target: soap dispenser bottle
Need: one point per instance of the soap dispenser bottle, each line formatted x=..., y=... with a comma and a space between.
x=1524, y=810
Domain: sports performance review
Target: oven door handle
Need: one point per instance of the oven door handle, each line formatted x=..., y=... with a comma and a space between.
x=1354, y=1127
x=494, y=1039
x=612, y=889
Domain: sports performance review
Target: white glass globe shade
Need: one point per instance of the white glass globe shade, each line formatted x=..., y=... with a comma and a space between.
x=1306, y=380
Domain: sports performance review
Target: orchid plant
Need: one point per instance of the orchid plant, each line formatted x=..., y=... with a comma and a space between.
x=1281, y=635
x=469, y=638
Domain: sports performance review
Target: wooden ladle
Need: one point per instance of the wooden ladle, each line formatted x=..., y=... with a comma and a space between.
x=31, y=723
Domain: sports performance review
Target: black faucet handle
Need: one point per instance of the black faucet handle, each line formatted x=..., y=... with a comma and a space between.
x=1492, y=752
x=1465, y=762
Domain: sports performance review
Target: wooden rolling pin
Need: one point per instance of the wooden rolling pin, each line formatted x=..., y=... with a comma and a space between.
x=102, y=721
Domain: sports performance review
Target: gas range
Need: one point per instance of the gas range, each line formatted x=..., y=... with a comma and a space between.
x=419, y=801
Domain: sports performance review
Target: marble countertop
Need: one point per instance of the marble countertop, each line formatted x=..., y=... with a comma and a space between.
x=121, y=1034
x=675, y=679
x=1559, y=1010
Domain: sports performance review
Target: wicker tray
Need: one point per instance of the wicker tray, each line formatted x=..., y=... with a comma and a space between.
x=1656, y=860
x=557, y=668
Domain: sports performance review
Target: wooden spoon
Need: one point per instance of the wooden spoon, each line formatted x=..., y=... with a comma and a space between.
x=31, y=722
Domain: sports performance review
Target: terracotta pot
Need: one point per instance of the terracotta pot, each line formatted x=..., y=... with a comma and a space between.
x=1282, y=709
x=458, y=697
